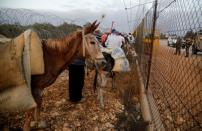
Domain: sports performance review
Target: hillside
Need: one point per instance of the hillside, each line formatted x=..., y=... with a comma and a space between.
x=28, y=17
x=47, y=25
x=45, y=30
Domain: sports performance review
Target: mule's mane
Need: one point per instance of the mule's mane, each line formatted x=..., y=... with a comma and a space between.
x=62, y=44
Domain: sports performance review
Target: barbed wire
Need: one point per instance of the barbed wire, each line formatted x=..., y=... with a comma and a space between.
x=167, y=6
x=28, y=17
x=47, y=25
x=140, y=5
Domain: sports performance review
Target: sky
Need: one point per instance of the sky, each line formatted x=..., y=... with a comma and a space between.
x=64, y=5
x=81, y=11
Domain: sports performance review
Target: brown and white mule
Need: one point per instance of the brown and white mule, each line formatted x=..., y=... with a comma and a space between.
x=58, y=53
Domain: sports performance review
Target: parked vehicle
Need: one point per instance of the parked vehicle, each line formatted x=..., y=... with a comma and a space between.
x=172, y=41
x=197, y=45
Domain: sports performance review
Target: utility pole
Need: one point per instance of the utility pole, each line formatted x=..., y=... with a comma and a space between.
x=152, y=42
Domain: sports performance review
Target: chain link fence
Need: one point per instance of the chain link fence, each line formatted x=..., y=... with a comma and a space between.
x=171, y=64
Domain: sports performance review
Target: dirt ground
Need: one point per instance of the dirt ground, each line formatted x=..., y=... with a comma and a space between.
x=121, y=112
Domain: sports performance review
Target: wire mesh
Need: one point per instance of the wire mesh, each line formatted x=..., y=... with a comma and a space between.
x=143, y=35
x=175, y=82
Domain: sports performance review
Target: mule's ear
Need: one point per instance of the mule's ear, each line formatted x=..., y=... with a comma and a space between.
x=96, y=26
x=91, y=28
x=93, y=24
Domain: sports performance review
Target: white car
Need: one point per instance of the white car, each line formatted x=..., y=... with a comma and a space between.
x=172, y=40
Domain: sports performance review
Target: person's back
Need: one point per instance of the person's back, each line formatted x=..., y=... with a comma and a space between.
x=178, y=43
x=122, y=39
x=178, y=46
x=113, y=41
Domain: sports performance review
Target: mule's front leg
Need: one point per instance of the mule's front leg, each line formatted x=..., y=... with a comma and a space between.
x=28, y=118
x=38, y=98
x=100, y=97
x=113, y=80
x=4, y=122
x=102, y=81
x=40, y=123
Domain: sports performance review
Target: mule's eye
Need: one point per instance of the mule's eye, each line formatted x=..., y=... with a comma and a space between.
x=92, y=42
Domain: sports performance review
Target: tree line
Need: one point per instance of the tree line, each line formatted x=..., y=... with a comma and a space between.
x=44, y=30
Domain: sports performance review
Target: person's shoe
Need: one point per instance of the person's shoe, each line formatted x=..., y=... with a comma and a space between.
x=82, y=100
x=77, y=101
x=74, y=101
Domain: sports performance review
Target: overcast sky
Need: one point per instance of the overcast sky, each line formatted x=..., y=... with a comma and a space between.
x=81, y=11
x=64, y=5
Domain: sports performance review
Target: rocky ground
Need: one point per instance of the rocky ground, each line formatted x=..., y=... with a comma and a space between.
x=121, y=112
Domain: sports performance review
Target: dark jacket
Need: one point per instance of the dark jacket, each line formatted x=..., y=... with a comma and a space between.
x=78, y=61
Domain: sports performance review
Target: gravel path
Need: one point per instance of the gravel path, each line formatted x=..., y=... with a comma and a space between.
x=121, y=112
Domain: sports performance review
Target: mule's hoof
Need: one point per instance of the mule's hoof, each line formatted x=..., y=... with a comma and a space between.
x=33, y=124
x=5, y=129
x=42, y=124
x=102, y=107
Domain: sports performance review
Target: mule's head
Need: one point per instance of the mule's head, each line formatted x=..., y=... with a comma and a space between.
x=90, y=44
x=91, y=47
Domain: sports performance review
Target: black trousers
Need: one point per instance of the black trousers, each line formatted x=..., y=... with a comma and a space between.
x=76, y=82
x=110, y=62
x=178, y=50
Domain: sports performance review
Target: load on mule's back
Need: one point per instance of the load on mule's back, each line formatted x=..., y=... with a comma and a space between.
x=114, y=44
x=20, y=58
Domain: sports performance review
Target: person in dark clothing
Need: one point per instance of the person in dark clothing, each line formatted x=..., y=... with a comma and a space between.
x=76, y=79
x=189, y=37
x=178, y=46
x=188, y=43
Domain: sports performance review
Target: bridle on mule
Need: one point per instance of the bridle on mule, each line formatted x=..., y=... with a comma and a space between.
x=83, y=42
x=85, y=45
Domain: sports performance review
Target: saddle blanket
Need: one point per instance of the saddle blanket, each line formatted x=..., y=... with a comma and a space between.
x=121, y=63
